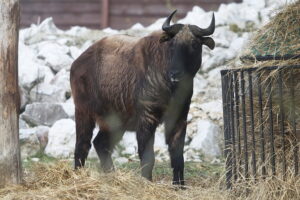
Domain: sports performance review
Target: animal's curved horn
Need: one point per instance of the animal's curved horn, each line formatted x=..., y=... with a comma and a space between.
x=204, y=32
x=171, y=30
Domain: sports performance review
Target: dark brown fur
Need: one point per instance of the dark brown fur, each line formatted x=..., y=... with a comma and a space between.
x=122, y=83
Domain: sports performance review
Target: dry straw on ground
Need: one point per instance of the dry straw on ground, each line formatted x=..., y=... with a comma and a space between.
x=58, y=181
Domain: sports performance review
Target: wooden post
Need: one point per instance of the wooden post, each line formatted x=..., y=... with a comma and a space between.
x=10, y=164
x=105, y=14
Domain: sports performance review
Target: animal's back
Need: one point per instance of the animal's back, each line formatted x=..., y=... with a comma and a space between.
x=103, y=78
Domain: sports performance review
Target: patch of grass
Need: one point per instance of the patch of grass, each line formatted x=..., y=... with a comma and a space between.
x=42, y=158
x=193, y=170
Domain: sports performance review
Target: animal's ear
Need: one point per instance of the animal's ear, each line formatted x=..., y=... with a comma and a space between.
x=209, y=42
x=165, y=37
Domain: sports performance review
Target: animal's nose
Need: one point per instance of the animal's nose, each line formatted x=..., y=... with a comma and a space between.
x=175, y=75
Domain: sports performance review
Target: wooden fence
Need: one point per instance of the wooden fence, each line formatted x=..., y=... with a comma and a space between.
x=118, y=14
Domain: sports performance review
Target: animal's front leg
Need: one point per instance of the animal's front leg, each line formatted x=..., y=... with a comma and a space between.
x=145, y=140
x=175, y=135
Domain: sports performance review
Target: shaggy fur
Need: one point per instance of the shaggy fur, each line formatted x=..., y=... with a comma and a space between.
x=125, y=83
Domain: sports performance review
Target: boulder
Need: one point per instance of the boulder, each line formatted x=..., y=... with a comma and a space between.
x=43, y=114
x=22, y=124
x=54, y=91
x=128, y=144
x=30, y=71
x=29, y=142
x=46, y=30
x=213, y=109
x=207, y=138
x=61, y=139
x=55, y=55
x=42, y=134
x=24, y=97
x=69, y=107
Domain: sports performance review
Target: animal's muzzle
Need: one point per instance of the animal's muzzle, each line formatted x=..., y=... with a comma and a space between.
x=175, y=76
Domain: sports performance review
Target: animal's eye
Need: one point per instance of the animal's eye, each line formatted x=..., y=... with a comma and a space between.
x=195, y=44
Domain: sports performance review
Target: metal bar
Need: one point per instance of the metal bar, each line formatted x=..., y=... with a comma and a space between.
x=261, y=68
x=237, y=117
x=281, y=114
x=261, y=126
x=269, y=57
x=252, y=123
x=234, y=170
x=226, y=118
x=271, y=127
x=293, y=112
x=244, y=123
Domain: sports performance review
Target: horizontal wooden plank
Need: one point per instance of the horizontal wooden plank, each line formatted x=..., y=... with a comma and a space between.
x=126, y=22
x=50, y=1
x=123, y=13
x=58, y=7
x=170, y=2
x=62, y=19
x=154, y=10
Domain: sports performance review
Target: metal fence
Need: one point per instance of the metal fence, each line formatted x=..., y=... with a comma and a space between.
x=261, y=111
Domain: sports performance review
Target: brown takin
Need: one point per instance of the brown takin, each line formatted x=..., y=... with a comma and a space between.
x=126, y=83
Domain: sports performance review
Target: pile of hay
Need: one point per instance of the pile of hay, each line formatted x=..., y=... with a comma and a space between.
x=58, y=181
x=278, y=40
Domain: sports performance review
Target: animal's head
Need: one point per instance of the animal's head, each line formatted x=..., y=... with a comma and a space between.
x=185, y=47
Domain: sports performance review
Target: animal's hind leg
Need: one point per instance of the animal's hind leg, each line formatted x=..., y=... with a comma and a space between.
x=104, y=144
x=84, y=132
x=145, y=139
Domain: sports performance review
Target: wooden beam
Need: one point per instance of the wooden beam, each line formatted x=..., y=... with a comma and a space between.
x=10, y=162
x=105, y=14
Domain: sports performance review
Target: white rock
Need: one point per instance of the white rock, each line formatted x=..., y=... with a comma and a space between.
x=192, y=155
x=110, y=31
x=61, y=139
x=54, y=91
x=156, y=25
x=22, y=124
x=200, y=84
x=121, y=160
x=223, y=37
x=75, y=52
x=24, y=98
x=238, y=14
x=69, y=107
x=206, y=139
x=43, y=114
x=197, y=17
x=137, y=26
x=35, y=159
x=29, y=70
x=129, y=143
x=213, y=109
x=77, y=31
x=48, y=93
x=219, y=57
x=214, y=78
x=42, y=134
x=29, y=142
x=37, y=33
x=237, y=45
x=86, y=45
x=55, y=55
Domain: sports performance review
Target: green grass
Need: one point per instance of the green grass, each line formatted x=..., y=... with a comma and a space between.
x=194, y=171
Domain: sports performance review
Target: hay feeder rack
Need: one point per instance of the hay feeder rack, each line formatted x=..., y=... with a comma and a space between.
x=261, y=111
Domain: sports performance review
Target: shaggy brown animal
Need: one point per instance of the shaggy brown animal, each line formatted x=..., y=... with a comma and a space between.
x=128, y=83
